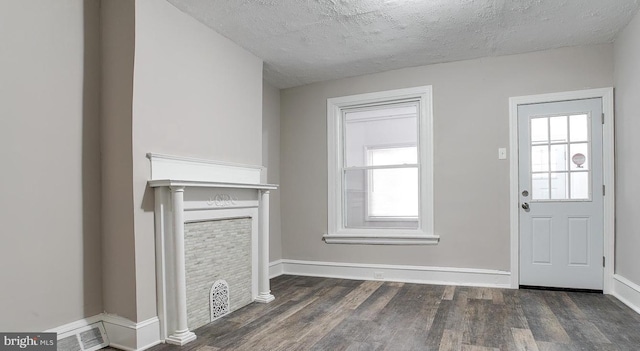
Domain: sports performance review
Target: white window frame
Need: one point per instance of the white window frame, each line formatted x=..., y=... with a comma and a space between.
x=337, y=233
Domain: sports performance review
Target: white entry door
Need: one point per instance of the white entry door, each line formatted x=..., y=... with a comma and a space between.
x=561, y=194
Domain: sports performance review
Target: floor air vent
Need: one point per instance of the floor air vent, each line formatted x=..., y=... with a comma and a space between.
x=219, y=299
x=89, y=338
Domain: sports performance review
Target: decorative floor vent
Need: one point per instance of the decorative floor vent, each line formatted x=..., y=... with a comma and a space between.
x=219, y=299
x=89, y=338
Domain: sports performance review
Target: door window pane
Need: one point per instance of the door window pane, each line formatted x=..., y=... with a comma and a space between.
x=558, y=126
x=540, y=186
x=579, y=157
x=558, y=157
x=559, y=186
x=580, y=185
x=540, y=158
x=539, y=130
x=579, y=125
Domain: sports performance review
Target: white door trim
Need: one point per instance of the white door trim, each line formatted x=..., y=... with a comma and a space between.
x=606, y=94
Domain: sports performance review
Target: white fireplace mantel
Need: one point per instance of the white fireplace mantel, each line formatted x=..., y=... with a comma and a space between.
x=188, y=189
x=201, y=184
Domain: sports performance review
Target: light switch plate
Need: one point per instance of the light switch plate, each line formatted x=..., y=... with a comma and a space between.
x=502, y=153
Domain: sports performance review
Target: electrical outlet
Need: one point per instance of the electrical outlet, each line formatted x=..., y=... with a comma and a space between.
x=378, y=275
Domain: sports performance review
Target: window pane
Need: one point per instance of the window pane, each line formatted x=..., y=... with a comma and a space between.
x=580, y=185
x=392, y=156
x=540, y=158
x=579, y=157
x=354, y=198
x=394, y=193
x=381, y=198
x=539, y=130
x=540, y=186
x=559, y=157
x=579, y=128
x=378, y=127
x=559, y=186
x=558, y=126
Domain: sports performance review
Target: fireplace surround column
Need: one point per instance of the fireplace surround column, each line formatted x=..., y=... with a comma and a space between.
x=182, y=334
x=264, y=289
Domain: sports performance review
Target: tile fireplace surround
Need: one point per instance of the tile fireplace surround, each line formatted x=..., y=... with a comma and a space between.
x=191, y=190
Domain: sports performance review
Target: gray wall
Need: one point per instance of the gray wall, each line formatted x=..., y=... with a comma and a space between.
x=118, y=46
x=627, y=83
x=50, y=153
x=471, y=120
x=271, y=160
x=195, y=94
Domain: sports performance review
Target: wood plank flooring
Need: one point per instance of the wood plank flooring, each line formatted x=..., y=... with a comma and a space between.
x=334, y=314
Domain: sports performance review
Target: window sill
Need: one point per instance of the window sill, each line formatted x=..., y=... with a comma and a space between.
x=370, y=239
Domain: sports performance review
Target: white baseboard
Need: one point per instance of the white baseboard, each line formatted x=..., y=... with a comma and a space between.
x=131, y=336
x=121, y=332
x=396, y=273
x=627, y=292
x=69, y=327
x=275, y=269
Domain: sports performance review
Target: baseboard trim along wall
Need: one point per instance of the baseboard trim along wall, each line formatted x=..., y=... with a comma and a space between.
x=275, y=269
x=395, y=273
x=131, y=336
x=627, y=292
x=69, y=327
x=121, y=332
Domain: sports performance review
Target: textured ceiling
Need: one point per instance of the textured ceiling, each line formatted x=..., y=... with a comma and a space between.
x=305, y=41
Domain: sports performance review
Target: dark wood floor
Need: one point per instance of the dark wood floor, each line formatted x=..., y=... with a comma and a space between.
x=335, y=314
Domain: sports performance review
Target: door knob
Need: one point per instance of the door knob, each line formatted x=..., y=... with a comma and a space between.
x=525, y=206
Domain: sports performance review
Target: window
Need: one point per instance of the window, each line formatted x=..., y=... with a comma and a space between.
x=560, y=148
x=380, y=185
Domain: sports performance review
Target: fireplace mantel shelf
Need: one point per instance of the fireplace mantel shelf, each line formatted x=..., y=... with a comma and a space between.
x=203, y=184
